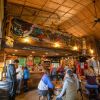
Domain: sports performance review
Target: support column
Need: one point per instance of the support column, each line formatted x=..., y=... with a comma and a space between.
x=1, y=32
x=1, y=19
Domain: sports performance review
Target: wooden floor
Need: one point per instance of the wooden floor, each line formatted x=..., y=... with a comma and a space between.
x=32, y=95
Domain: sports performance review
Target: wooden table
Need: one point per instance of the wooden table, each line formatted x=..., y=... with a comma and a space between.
x=58, y=87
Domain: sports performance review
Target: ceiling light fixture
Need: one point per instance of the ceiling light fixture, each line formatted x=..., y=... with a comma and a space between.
x=33, y=51
x=91, y=51
x=26, y=40
x=16, y=50
x=13, y=54
x=57, y=54
x=57, y=45
x=75, y=48
x=46, y=53
x=43, y=55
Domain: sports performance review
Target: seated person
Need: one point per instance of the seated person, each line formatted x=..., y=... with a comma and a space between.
x=60, y=71
x=45, y=85
x=91, y=80
x=69, y=90
x=75, y=77
x=54, y=73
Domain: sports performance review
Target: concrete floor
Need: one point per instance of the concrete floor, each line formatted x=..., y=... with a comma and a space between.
x=32, y=95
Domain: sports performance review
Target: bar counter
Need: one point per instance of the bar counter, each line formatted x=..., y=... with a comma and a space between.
x=34, y=79
x=3, y=90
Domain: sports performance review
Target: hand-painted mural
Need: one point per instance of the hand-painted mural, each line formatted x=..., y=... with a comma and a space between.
x=24, y=29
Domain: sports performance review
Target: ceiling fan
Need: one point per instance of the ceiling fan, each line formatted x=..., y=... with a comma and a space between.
x=96, y=18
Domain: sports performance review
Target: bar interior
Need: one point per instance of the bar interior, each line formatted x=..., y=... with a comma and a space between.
x=54, y=39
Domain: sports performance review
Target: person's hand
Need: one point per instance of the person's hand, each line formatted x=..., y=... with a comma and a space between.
x=58, y=96
x=79, y=89
x=17, y=72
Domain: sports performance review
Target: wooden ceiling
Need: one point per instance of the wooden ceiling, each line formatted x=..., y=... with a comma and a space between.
x=73, y=16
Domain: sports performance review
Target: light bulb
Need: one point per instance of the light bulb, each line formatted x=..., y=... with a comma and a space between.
x=56, y=45
x=91, y=51
x=75, y=48
x=26, y=39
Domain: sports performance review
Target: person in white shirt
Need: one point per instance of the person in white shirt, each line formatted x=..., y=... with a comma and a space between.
x=19, y=78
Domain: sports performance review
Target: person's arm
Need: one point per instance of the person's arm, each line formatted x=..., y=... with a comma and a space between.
x=22, y=72
x=17, y=71
x=49, y=83
x=77, y=81
x=65, y=85
x=28, y=74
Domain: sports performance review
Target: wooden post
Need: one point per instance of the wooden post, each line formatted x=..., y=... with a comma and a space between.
x=93, y=44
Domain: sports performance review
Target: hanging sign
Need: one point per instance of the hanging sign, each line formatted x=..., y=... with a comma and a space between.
x=30, y=61
x=37, y=60
x=22, y=61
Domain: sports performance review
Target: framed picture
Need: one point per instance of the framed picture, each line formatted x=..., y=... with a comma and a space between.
x=37, y=60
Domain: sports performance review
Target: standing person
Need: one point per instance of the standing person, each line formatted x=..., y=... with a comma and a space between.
x=11, y=78
x=53, y=72
x=19, y=78
x=69, y=90
x=26, y=76
x=45, y=85
x=60, y=71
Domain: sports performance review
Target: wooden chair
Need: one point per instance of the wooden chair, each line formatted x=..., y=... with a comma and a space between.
x=92, y=94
